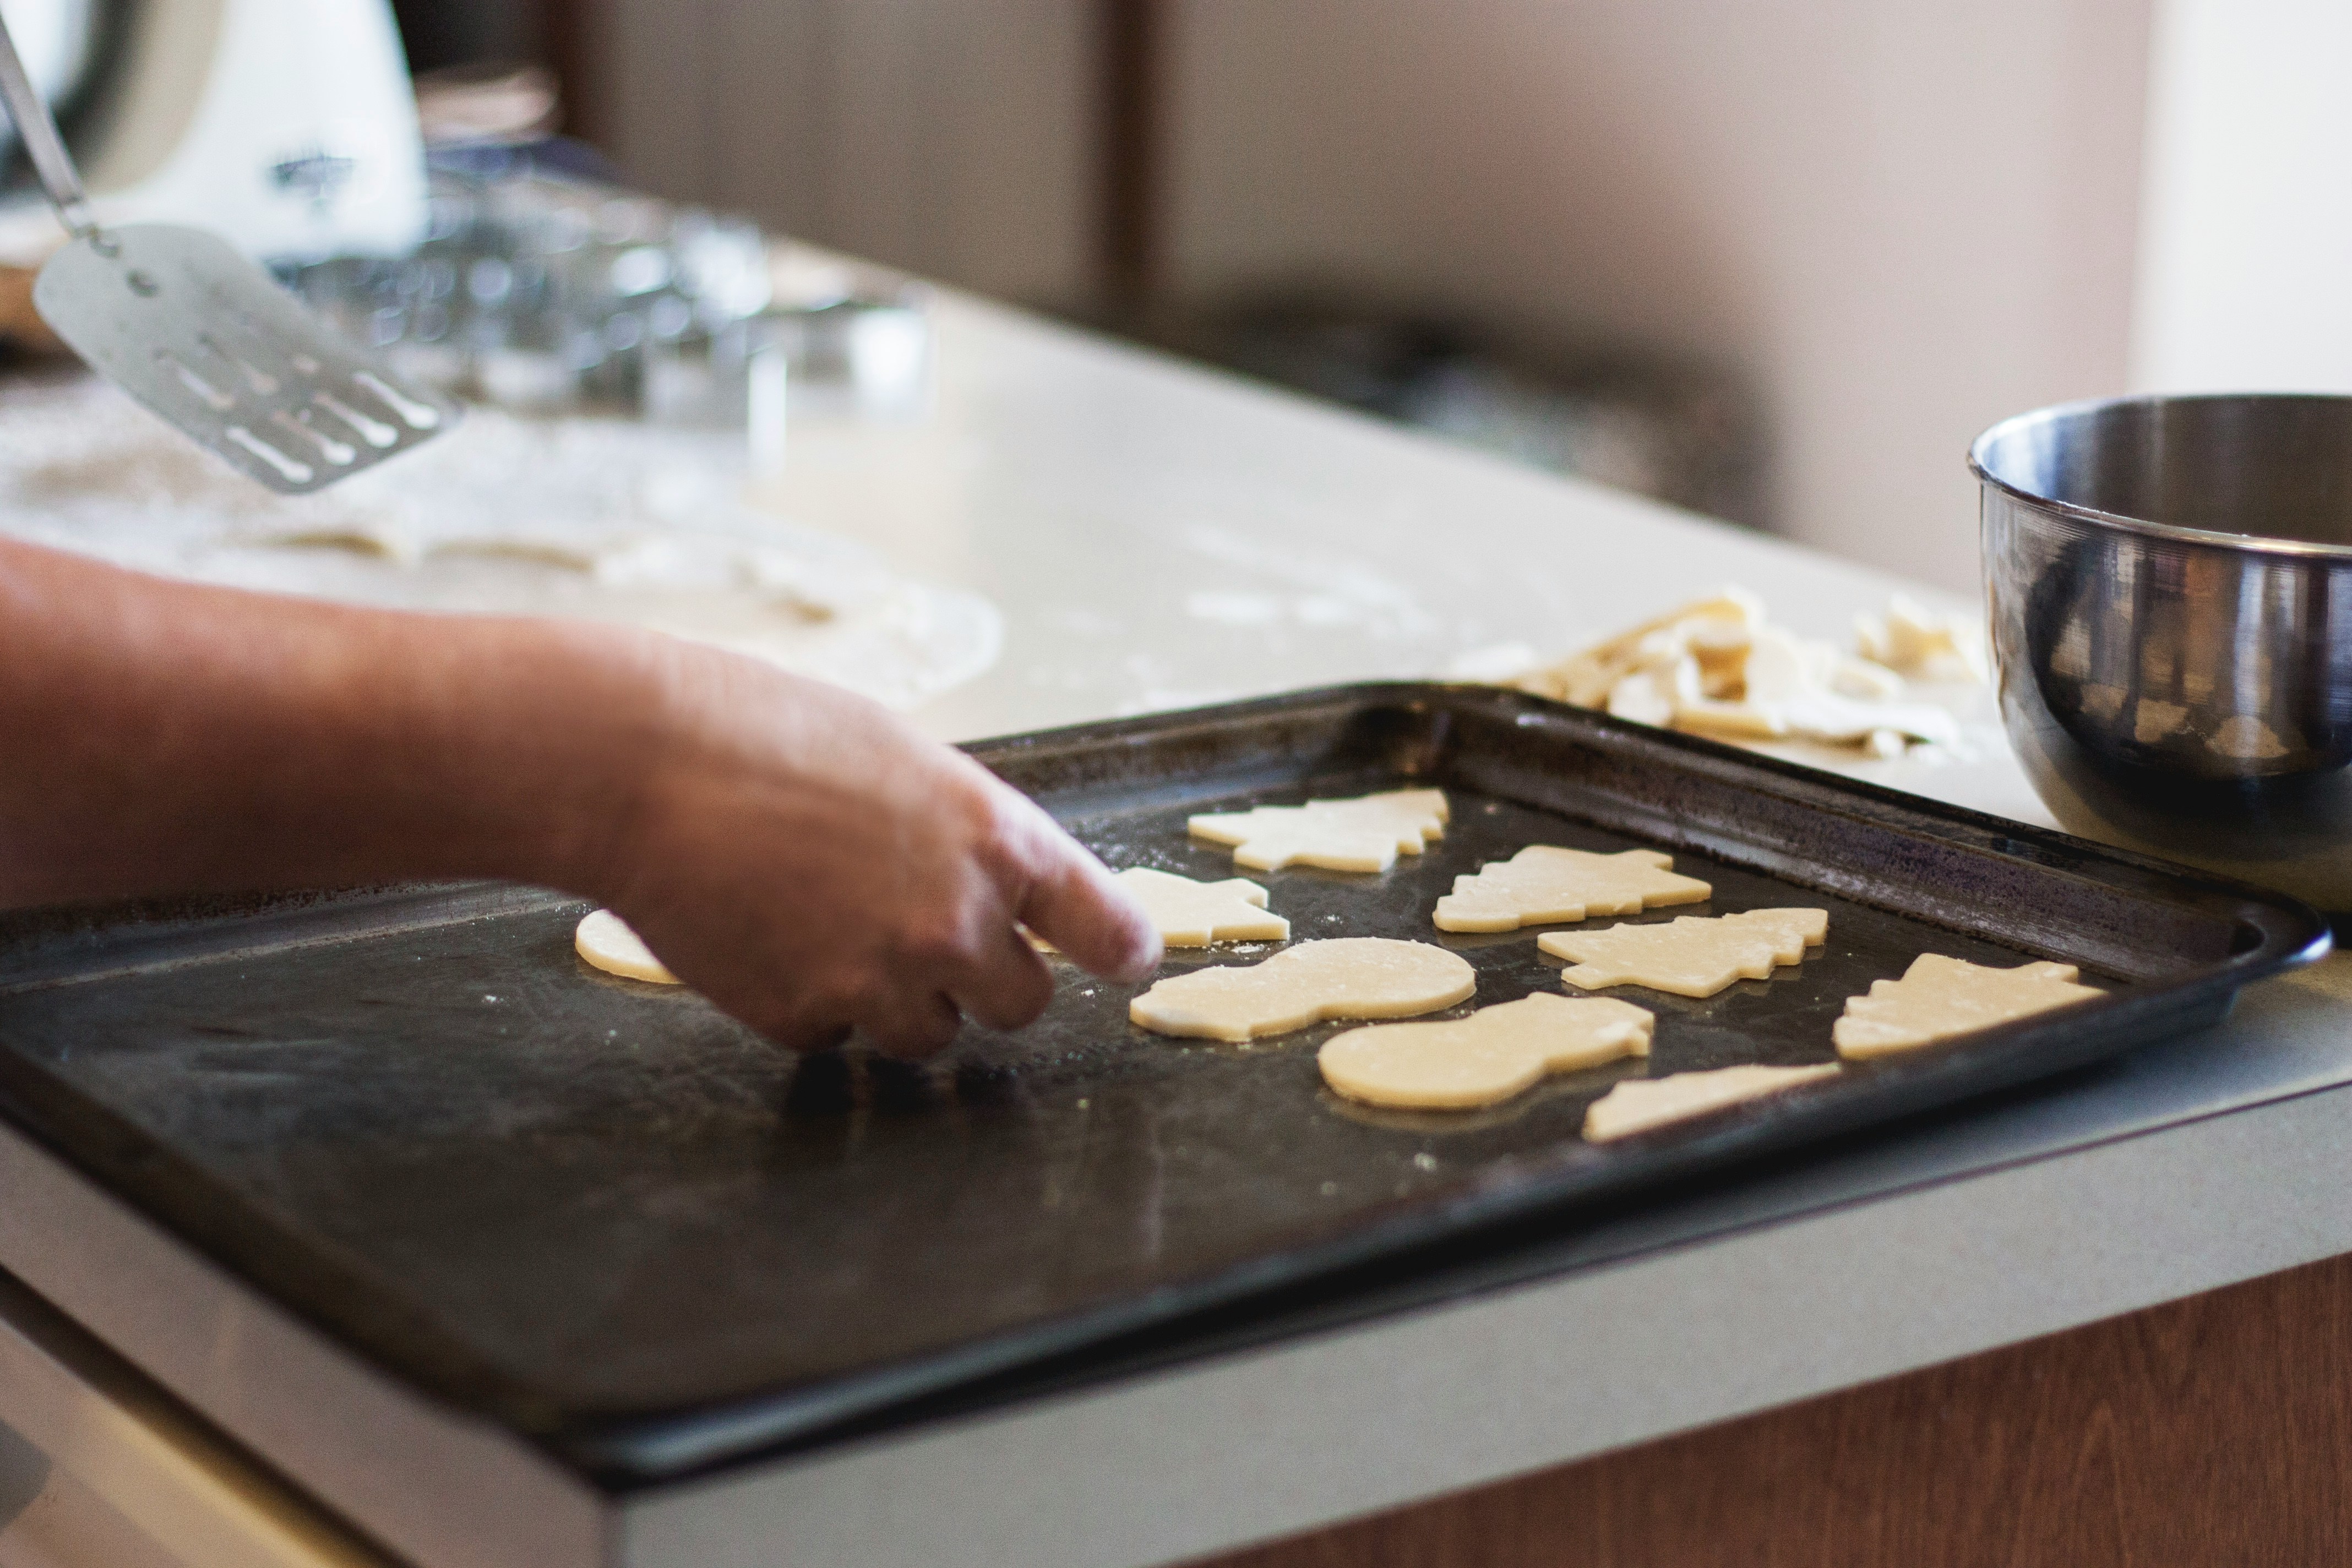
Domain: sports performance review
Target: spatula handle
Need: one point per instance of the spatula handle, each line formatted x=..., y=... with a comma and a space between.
x=39, y=130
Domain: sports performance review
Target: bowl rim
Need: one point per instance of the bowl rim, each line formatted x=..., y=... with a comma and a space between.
x=2245, y=543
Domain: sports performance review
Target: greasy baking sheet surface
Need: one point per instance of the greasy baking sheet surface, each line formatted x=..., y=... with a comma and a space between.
x=600, y=1212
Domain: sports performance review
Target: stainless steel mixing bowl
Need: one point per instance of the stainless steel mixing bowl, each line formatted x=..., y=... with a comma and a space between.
x=2171, y=585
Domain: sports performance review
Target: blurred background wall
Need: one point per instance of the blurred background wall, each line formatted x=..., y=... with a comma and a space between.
x=2247, y=241
x=1895, y=222
x=1872, y=226
x=955, y=139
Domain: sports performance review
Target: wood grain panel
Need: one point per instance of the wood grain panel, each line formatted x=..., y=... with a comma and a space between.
x=2211, y=1431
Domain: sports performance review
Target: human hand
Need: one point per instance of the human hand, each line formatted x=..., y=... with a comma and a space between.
x=807, y=860
x=811, y=863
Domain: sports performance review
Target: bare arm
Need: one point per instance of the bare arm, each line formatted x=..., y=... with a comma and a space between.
x=798, y=854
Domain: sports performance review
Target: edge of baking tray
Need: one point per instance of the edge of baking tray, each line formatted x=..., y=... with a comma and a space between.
x=633, y=1449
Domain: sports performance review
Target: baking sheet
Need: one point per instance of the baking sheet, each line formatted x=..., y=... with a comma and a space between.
x=603, y=1215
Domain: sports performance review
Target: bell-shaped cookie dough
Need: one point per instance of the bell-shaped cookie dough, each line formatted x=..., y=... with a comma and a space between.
x=1542, y=884
x=1365, y=834
x=1637, y=1104
x=1490, y=1056
x=1690, y=956
x=1347, y=977
x=605, y=940
x=1940, y=998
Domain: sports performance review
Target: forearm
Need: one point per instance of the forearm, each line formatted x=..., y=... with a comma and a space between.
x=163, y=737
x=804, y=859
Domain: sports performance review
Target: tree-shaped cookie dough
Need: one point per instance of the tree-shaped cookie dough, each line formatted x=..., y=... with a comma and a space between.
x=1488, y=1057
x=1347, y=977
x=1690, y=956
x=1940, y=998
x=1637, y=1104
x=1541, y=884
x=1366, y=834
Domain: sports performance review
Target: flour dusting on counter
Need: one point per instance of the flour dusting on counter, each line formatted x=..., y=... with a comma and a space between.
x=599, y=519
x=1321, y=590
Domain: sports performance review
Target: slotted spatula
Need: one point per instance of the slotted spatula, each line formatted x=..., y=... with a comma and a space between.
x=203, y=338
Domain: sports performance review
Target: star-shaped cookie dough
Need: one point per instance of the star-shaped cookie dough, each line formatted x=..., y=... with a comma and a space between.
x=1202, y=914
x=1366, y=834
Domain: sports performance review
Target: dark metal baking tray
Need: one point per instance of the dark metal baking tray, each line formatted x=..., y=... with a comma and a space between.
x=603, y=1215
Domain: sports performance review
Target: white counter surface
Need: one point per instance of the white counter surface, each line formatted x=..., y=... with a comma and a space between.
x=1157, y=536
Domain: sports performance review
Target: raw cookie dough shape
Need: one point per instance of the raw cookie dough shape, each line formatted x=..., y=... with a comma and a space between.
x=1347, y=977
x=1198, y=914
x=1940, y=998
x=1489, y=1056
x=1691, y=956
x=1366, y=834
x=1637, y=1104
x=1541, y=884
x=605, y=940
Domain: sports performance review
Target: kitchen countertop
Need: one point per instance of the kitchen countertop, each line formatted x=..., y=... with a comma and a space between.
x=1159, y=536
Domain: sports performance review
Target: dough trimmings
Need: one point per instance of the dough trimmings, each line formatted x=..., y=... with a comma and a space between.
x=1692, y=956
x=1913, y=640
x=1189, y=913
x=1489, y=1056
x=1715, y=667
x=1346, y=978
x=1542, y=884
x=1637, y=1104
x=1365, y=834
x=605, y=940
x=1940, y=998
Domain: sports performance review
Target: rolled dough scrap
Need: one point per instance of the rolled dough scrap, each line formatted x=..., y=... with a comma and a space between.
x=1919, y=642
x=1940, y=998
x=1488, y=1057
x=1586, y=679
x=383, y=542
x=1200, y=914
x=1717, y=668
x=1637, y=1104
x=605, y=940
x=1542, y=883
x=1347, y=977
x=1366, y=834
x=1690, y=956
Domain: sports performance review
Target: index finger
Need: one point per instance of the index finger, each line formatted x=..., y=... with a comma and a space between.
x=1073, y=902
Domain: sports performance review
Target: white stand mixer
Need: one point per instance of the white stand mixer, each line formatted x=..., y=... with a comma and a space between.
x=287, y=126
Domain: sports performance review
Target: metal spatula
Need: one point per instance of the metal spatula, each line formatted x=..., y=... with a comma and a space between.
x=202, y=337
